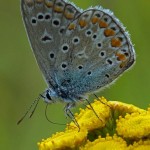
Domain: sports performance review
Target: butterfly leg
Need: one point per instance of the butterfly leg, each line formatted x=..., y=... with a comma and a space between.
x=100, y=100
x=69, y=113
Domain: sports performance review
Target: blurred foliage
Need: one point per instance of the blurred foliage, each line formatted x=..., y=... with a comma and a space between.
x=21, y=80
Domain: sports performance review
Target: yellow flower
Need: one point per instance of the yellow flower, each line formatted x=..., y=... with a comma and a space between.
x=108, y=143
x=148, y=109
x=88, y=120
x=121, y=108
x=135, y=125
x=100, y=123
x=141, y=145
x=64, y=140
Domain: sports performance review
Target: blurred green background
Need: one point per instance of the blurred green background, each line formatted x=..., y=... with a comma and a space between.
x=21, y=80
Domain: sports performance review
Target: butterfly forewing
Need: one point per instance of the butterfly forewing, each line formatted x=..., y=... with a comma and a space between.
x=45, y=22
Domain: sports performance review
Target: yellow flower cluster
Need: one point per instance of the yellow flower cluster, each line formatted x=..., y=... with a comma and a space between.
x=115, y=126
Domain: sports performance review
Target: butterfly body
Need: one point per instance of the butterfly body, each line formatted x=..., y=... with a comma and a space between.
x=78, y=52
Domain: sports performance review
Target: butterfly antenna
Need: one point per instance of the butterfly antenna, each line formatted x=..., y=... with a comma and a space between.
x=35, y=107
x=48, y=118
x=35, y=101
x=93, y=110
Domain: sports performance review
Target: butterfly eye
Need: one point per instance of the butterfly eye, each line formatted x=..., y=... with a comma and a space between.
x=48, y=96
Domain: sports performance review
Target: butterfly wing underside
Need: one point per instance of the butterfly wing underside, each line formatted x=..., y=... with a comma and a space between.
x=45, y=22
x=100, y=51
x=77, y=51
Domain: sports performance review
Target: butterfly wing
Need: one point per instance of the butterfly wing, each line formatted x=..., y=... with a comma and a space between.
x=77, y=52
x=100, y=50
x=45, y=22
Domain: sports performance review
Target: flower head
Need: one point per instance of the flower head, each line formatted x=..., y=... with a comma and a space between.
x=140, y=145
x=64, y=140
x=104, y=125
x=120, y=108
x=113, y=143
x=135, y=125
x=92, y=117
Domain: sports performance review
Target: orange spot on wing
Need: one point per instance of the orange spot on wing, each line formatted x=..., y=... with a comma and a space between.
x=102, y=24
x=39, y=1
x=109, y=32
x=121, y=57
x=58, y=9
x=94, y=20
x=122, y=64
x=71, y=26
x=68, y=15
x=30, y=3
x=49, y=4
x=115, y=42
x=82, y=23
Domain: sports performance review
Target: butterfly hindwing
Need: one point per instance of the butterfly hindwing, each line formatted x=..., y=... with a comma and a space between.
x=99, y=51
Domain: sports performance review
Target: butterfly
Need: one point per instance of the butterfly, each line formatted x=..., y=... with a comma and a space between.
x=78, y=52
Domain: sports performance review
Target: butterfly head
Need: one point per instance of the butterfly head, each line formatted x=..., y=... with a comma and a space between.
x=47, y=96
